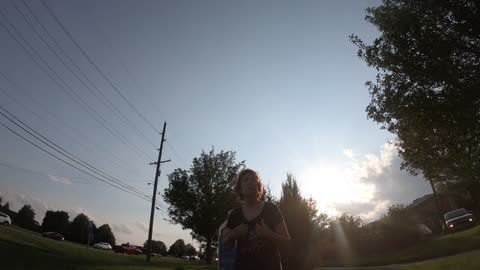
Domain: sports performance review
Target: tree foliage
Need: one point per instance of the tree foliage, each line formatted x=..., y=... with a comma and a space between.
x=190, y=250
x=4, y=207
x=178, y=249
x=199, y=198
x=398, y=227
x=104, y=234
x=301, y=218
x=157, y=247
x=55, y=221
x=25, y=217
x=78, y=231
x=426, y=89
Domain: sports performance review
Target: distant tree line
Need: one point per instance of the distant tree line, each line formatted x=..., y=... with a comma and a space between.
x=76, y=230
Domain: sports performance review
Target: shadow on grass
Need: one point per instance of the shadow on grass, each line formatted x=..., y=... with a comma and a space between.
x=24, y=256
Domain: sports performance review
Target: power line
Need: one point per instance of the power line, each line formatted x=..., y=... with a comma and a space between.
x=69, y=155
x=180, y=158
x=125, y=141
x=65, y=30
x=116, y=183
x=93, y=149
x=66, y=162
x=70, y=178
x=147, y=198
x=107, y=102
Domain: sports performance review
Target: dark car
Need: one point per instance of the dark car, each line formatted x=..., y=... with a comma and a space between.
x=459, y=219
x=53, y=235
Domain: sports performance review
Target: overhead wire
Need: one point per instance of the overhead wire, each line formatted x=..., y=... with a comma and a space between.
x=132, y=78
x=124, y=140
x=93, y=149
x=34, y=172
x=61, y=87
x=65, y=30
x=105, y=101
x=64, y=152
x=130, y=191
x=66, y=162
x=75, y=42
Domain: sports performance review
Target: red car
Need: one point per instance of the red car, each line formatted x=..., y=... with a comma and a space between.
x=127, y=249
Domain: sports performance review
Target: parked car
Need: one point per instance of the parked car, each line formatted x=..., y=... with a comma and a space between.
x=459, y=219
x=127, y=249
x=102, y=245
x=53, y=235
x=5, y=219
x=155, y=254
x=185, y=257
x=194, y=258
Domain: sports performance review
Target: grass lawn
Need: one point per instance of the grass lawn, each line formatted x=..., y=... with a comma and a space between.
x=470, y=261
x=435, y=248
x=25, y=250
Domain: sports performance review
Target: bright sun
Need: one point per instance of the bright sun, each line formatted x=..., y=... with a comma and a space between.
x=332, y=184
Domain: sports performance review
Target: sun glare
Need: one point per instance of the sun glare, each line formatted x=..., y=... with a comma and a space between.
x=332, y=184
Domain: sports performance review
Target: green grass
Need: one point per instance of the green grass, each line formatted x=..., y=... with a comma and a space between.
x=24, y=250
x=470, y=261
x=435, y=248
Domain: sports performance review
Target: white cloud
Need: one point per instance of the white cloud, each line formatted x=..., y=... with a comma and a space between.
x=121, y=228
x=363, y=186
x=17, y=201
x=142, y=226
x=60, y=179
x=348, y=152
x=391, y=184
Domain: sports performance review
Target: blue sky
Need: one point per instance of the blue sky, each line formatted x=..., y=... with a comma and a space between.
x=276, y=81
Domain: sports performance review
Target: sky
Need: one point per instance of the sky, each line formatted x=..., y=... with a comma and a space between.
x=278, y=82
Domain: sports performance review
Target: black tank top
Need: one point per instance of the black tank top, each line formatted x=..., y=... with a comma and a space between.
x=254, y=253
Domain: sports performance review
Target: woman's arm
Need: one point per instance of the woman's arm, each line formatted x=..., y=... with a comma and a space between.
x=229, y=236
x=279, y=235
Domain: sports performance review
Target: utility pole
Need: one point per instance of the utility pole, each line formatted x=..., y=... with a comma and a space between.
x=154, y=197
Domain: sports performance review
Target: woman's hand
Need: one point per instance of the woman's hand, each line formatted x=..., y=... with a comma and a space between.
x=263, y=231
x=241, y=231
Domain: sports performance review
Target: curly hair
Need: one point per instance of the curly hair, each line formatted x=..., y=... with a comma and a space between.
x=242, y=175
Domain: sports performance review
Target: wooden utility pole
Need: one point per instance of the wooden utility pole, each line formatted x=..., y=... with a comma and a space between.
x=154, y=197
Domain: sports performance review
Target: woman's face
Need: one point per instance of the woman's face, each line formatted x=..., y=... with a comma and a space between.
x=249, y=185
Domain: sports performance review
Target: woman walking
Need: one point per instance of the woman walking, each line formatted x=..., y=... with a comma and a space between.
x=257, y=226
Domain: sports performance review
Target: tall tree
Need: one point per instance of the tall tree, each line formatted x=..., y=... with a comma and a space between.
x=190, y=250
x=199, y=199
x=78, y=231
x=177, y=249
x=347, y=236
x=301, y=218
x=104, y=234
x=55, y=221
x=157, y=247
x=4, y=207
x=399, y=227
x=426, y=89
x=25, y=217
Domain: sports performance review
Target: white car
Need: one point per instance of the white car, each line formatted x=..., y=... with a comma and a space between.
x=5, y=219
x=103, y=245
